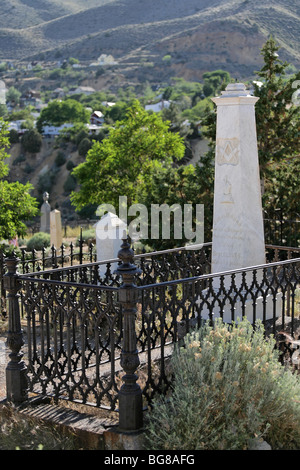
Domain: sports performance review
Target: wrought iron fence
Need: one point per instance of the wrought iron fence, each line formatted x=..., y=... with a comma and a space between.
x=281, y=229
x=84, y=329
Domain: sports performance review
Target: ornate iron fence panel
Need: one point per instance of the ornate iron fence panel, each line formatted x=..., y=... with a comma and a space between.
x=73, y=340
x=169, y=310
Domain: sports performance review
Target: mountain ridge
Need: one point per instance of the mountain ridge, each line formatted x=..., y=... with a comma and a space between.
x=131, y=30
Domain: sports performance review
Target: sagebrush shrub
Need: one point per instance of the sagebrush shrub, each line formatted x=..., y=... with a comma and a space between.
x=229, y=388
x=39, y=241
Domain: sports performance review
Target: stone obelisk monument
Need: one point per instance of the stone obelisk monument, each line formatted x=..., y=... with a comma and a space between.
x=238, y=233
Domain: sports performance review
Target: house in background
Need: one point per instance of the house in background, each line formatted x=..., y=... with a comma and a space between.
x=53, y=131
x=58, y=93
x=86, y=90
x=104, y=59
x=17, y=126
x=97, y=118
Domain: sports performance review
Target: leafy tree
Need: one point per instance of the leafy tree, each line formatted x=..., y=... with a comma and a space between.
x=32, y=141
x=16, y=203
x=116, y=112
x=13, y=95
x=3, y=110
x=84, y=146
x=60, y=112
x=184, y=184
x=124, y=160
x=215, y=81
x=13, y=136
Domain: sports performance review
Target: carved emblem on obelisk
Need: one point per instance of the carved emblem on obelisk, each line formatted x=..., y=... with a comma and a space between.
x=228, y=151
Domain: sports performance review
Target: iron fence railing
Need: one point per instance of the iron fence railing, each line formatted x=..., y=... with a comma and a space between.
x=281, y=229
x=85, y=329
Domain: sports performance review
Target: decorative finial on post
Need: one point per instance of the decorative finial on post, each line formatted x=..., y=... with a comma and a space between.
x=130, y=394
x=126, y=255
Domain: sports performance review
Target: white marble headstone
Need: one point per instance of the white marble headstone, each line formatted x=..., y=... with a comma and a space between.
x=109, y=233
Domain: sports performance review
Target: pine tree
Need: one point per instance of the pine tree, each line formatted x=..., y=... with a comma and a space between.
x=278, y=130
x=277, y=118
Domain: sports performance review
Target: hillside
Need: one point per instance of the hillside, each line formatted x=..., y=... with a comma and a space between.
x=198, y=35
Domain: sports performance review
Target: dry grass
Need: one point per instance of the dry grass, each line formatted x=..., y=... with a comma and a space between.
x=23, y=433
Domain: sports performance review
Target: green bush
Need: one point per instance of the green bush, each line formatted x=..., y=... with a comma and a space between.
x=70, y=165
x=38, y=241
x=70, y=184
x=229, y=388
x=13, y=136
x=60, y=158
x=32, y=141
x=84, y=146
x=19, y=159
x=87, y=235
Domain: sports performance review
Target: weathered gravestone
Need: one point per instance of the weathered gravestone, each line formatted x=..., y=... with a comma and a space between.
x=55, y=229
x=45, y=214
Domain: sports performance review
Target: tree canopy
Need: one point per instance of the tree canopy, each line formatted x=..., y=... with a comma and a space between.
x=278, y=131
x=60, y=112
x=125, y=160
x=16, y=203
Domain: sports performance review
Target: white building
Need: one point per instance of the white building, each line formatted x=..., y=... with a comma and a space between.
x=157, y=107
x=52, y=131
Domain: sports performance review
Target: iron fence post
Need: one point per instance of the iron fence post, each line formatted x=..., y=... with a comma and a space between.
x=130, y=394
x=16, y=380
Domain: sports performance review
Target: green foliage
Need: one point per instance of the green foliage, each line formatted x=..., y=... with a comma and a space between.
x=13, y=95
x=278, y=126
x=16, y=206
x=39, y=241
x=70, y=165
x=16, y=203
x=46, y=181
x=4, y=111
x=60, y=158
x=70, y=184
x=181, y=87
x=84, y=146
x=123, y=161
x=229, y=388
x=215, y=81
x=32, y=141
x=60, y=112
x=19, y=159
x=186, y=184
x=87, y=236
x=13, y=136
x=277, y=117
x=117, y=112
